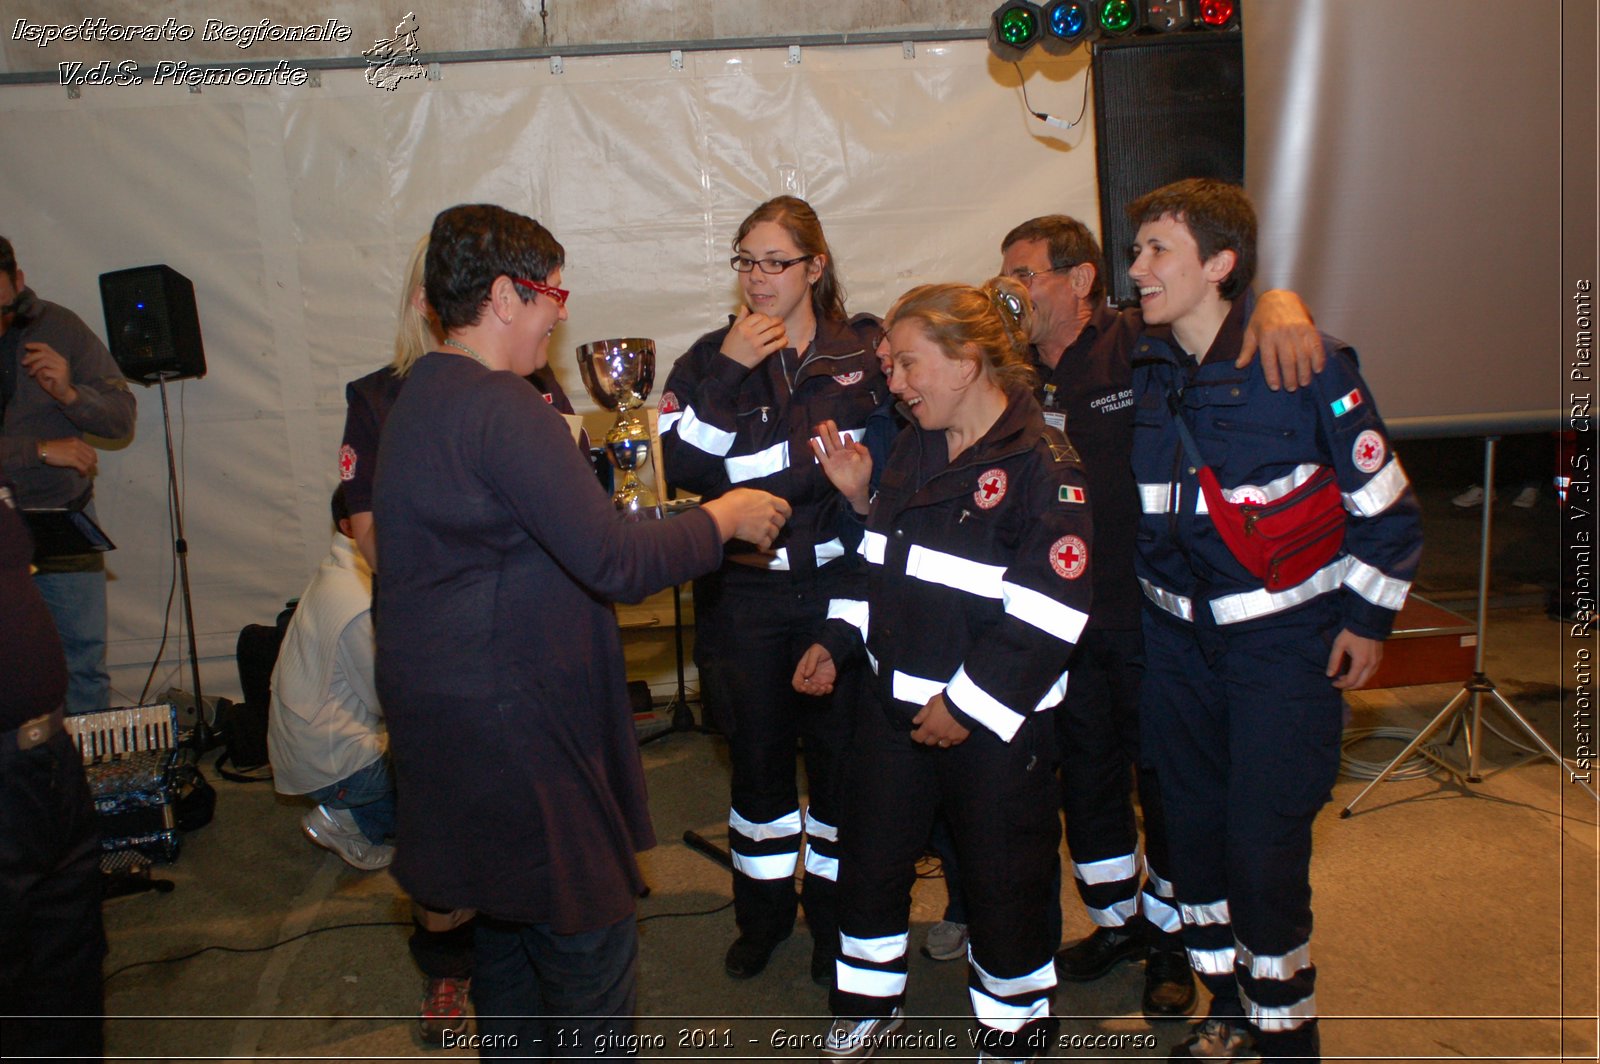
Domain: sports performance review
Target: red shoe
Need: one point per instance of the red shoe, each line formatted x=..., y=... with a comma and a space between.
x=444, y=1010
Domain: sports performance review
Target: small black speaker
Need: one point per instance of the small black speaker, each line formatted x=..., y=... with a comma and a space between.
x=152, y=327
x=1165, y=108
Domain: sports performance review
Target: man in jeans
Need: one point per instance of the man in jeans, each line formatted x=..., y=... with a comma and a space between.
x=58, y=383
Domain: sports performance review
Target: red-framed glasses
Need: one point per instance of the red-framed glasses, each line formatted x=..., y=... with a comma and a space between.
x=557, y=294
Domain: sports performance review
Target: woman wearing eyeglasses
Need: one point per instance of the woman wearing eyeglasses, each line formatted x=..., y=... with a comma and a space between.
x=499, y=665
x=740, y=409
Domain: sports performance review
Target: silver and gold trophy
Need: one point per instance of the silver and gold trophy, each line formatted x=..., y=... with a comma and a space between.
x=619, y=374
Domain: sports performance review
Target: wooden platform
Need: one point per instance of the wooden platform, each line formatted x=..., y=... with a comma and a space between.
x=1429, y=644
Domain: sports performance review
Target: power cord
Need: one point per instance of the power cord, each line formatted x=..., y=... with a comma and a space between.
x=251, y=949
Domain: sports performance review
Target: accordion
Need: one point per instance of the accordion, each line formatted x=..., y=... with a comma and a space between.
x=130, y=758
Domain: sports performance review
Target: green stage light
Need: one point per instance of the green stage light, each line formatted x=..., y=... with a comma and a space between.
x=1014, y=28
x=1117, y=18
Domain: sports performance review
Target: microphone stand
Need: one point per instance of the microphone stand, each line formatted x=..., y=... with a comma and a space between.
x=201, y=739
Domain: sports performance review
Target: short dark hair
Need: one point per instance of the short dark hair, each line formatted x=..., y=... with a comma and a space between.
x=1218, y=215
x=8, y=259
x=1070, y=244
x=340, y=505
x=472, y=244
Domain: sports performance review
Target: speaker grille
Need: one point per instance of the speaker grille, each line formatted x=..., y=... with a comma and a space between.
x=1164, y=110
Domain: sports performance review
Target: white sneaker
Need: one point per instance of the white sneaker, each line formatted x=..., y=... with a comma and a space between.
x=859, y=1039
x=946, y=941
x=1472, y=497
x=1527, y=498
x=335, y=829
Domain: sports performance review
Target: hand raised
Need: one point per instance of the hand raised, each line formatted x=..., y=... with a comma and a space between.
x=754, y=336
x=749, y=514
x=846, y=463
x=49, y=371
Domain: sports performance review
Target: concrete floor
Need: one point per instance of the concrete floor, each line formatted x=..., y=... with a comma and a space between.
x=1453, y=921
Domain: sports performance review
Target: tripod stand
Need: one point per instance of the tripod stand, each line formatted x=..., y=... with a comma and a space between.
x=1477, y=687
x=202, y=739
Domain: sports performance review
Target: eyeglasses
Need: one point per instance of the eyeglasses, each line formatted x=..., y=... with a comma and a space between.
x=557, y=294
x=1026, y=275
x=744, y=265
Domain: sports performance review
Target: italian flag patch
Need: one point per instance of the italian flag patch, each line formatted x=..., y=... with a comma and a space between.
x=1346, y=403
x=1068, y=493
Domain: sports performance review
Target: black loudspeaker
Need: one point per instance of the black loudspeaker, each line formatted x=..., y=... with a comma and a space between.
x=152, y=327
x=1165, y=108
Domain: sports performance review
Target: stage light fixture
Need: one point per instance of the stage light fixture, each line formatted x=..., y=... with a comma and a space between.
x=1116, y=18
x=1014, y=28
x=1067, y=24
x=1217, y=15
x=1168, y=16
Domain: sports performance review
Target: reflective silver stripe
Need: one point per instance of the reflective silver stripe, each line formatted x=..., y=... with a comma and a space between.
x=867, y=982
x=983, y=707
x=877, y=950
x=851, y=611
x=763, y=463
x=1005, y=1017
x=1281, y=486
x=773, y=866
x=818, y=865
x=1043, y=612
x=1279, y=968
x=1215, y=912
x=1283, y=1018
x=909, y=688
x=1161, y=887
x=848, y=435
x=1248, y=605
x=1380, y=492
x=872, y=661
x=817, y=829
x=1161, y=498
x=1115, y=915
x=664, y=422
x=1180, y=606
x=1371, y=584
x=1032, y=983
x=1212, y=961
x=872, y=547
x=827, y=552
x=783, y=827
x=952, y=570
x=1159, y=913
x=1110, y=870
x=1052, y=697
x=701, y=434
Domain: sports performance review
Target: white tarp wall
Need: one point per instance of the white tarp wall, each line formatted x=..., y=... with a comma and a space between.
x=293, y=211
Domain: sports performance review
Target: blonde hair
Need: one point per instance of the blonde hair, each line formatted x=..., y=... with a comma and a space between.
x=416, y=334
x=996, y=320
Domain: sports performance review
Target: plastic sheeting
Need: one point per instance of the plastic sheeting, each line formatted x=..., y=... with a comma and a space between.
x=294, y=210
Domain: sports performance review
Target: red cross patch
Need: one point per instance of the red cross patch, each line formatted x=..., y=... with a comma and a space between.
x=1368, y=452
x=669, y=403
x=991, y=489
x=347, y=462
x=1246, y=493
x=1069, y=556
x=848, y=379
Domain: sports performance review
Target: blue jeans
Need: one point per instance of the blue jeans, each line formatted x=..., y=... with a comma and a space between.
x=77, y=601
x=369, y=795
x=540, y=995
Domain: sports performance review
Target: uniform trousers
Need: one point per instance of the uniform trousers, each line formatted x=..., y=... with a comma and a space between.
x=1097, y=732
x=1244, y=731
x=1001, y=803
x=752, y=627
x=51, y=936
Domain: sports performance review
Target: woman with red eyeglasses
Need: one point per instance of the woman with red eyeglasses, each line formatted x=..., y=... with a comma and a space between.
x=499, y=664
x=739, y=409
